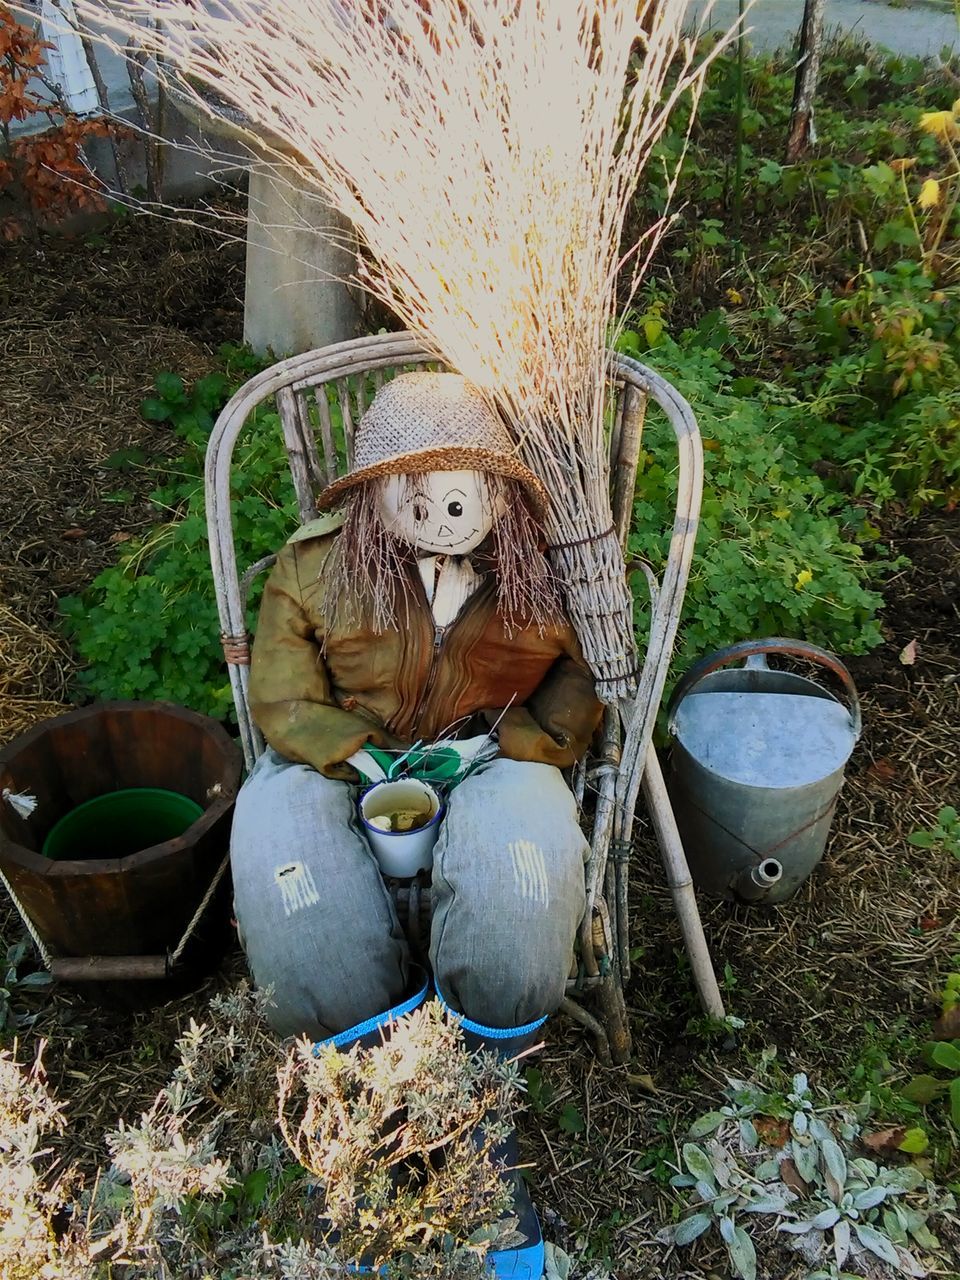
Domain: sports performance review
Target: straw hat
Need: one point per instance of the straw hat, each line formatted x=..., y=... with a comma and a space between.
x=432, y=422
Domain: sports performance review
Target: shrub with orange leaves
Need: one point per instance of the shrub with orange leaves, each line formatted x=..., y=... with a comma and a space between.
x=43, y=176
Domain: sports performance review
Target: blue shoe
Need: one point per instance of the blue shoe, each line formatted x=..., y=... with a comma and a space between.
x=369, y=1034
x=526, y=1261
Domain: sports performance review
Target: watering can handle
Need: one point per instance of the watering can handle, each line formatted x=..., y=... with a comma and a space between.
x=773, y=644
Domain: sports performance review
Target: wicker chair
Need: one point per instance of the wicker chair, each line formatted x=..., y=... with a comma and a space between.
x=300, y=387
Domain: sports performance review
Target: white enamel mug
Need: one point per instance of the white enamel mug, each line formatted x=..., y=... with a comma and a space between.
x=402, y=853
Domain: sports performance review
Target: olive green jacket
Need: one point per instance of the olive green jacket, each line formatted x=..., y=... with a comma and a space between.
x=320, y=697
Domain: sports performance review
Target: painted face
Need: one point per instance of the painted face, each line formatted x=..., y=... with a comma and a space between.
x=442, y=512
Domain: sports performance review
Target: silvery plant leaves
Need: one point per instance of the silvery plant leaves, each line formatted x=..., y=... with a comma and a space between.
x=743, y=1256
x=775, y=1203
x=557, y=1264
x=894, y=1225
x=877, y=1243
x=818, y=1129
x=691, y=1228
x=800, y=1084
x=841, y=1242
x=699, y=1164
x=907, y=1178
x=805, y=1158
x=870, y=1198
x=834, y=1160
x=826, y=1219
x=707, y=1124
x=748, y=1135
x=683, y=1180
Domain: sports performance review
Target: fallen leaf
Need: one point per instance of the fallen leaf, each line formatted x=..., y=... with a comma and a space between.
x=73, y=534
x=120, y=536
x=926, y=924
x=885, y=770
x=790, y=1176
x=771, y=1131
x=884, y=1141
x=947, y=1026
x=908, y=654
x=915, y=1141
x=644, y=1082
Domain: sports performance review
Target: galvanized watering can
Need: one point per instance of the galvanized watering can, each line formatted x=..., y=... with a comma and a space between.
x=757, y=763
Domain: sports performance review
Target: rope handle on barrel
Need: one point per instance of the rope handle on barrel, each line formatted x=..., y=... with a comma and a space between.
x=28, y=923
x=195, y=918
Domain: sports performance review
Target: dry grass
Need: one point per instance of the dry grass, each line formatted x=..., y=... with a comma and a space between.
x=86, y=323
x=488, y=161
x=33, y=674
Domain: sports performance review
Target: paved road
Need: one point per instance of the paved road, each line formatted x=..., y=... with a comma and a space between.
x=911, y=28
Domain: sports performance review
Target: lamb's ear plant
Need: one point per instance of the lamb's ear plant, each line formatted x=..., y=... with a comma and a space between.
x=722, y=1190
x=839, y=1208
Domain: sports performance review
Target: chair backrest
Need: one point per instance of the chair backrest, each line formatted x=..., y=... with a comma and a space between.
x=348, y=373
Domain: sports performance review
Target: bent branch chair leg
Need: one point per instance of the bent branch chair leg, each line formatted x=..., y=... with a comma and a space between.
x=681, y=885
x=614, y=1012
x=576, y=1011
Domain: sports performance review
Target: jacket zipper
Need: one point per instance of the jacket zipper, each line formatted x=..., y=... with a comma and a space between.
x=438, y=635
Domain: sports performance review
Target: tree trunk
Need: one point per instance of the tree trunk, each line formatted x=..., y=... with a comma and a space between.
x=801, y=132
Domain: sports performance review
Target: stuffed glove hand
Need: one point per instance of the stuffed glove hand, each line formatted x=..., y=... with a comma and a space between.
x=447, y=762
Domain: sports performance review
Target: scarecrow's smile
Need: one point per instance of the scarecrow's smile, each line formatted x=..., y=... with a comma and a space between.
x=438, y=512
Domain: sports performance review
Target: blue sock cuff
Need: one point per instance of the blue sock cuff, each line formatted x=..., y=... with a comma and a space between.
x=378, y=1020
x=489, y=1033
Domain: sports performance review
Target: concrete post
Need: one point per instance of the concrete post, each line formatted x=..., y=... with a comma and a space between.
x=295, y=296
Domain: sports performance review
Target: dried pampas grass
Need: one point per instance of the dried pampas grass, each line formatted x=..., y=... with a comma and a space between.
x=486, y=151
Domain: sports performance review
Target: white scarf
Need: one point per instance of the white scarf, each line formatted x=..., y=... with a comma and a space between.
x=449, y=582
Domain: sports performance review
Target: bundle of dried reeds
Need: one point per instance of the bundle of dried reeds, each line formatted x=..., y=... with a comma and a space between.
x=486, y=151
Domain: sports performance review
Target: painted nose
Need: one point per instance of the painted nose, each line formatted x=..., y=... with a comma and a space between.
x=444, y=531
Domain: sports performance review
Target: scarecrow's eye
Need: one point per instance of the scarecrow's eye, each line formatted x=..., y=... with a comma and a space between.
x=455, y=508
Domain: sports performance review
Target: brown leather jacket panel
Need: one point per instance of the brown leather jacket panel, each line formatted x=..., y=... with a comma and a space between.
x=319, y=698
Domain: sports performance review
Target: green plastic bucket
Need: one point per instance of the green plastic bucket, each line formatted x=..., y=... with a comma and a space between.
x=120, y=823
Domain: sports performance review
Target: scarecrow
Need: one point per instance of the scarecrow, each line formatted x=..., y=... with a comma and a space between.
x=486, y=156
x=428, y=611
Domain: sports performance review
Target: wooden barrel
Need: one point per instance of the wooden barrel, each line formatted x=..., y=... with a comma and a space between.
x=109, y=911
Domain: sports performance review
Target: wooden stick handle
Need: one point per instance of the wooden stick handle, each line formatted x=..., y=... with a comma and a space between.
x=108, y=968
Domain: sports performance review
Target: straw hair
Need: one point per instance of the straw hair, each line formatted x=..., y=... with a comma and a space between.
x=487, y=155
x=424, y=422
x=370, y=572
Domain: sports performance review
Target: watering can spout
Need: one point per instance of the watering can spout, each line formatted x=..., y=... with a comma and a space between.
x=754, y=883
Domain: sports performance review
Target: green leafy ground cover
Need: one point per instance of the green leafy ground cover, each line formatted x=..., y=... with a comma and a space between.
x=807, y=312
